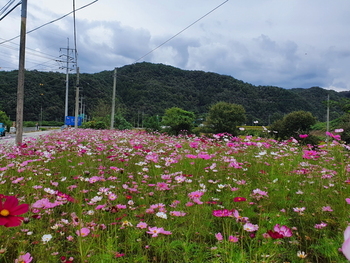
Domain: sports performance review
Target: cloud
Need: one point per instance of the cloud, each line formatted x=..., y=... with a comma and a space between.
x=281, y=43
x=109, y=44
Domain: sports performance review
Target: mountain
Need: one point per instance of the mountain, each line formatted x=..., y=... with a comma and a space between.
x=146, y=89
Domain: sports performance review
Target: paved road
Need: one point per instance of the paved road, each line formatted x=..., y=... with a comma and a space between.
x=11, y=138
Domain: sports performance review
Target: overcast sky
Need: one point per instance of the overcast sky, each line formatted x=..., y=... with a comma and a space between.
x=284, y=43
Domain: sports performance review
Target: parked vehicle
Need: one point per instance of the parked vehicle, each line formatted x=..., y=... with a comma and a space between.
x=2, y=129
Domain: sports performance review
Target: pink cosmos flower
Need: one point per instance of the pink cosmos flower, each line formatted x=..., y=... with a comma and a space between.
x=26, y=258
x=219, y=236
x=193, y=144
x=299, y=210
x=346, y=244
x=119, y=255
x=161, y=186
x=195, y=195
x=303, y=136
x=327, y=209
x=283, y=230
x=223, y=213
x=83, y=232
x=249, y=227
x=310, y=154
x=336, y=137
x=320, y=226
x=154, y=231
x=45, y=204
x=177, y=213
x=142, y=225
x=347, y=200
x=94, y=179
x=259, y=194
x=240, y=218
x=100, y=207
x=233, y=239
x=112, y=196
x=204, y=156
x=9, y=211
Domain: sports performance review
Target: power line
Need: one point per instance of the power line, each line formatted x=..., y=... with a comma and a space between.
x=180, y=31
x=31, y=51
x=55, y=20
x=7, y=6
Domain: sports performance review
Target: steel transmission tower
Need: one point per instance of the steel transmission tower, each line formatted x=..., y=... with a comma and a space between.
x=69, y=60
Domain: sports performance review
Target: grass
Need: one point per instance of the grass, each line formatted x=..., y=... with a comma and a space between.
x=111, y=181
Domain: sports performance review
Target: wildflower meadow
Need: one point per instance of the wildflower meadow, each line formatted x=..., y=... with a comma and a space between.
x=84, y=195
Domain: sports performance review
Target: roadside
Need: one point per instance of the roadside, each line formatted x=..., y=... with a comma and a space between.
x=10, y=138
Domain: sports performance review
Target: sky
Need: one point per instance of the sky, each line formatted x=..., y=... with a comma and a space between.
x=283, y=43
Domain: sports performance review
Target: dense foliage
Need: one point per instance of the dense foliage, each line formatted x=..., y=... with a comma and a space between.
x=178, y=120
x=293, y=124
x=5, y=120
x=224, y=117
x=147, y=90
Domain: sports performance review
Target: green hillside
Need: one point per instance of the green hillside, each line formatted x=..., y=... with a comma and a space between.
x=146, y=89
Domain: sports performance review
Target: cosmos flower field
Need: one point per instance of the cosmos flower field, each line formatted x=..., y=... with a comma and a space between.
x=131, y=196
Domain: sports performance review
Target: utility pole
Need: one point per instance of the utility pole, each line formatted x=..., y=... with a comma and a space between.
x=327, y=118
x=68, y=60
x=81, y=107
x=113, y=97
x=77, y=100
x=20, y=88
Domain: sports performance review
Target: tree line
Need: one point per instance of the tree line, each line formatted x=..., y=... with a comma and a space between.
x=146, y=90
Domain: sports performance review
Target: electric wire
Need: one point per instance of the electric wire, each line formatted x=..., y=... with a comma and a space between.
x=31, y=51
x=6, y=7
x=52, y=21
x=180, y=31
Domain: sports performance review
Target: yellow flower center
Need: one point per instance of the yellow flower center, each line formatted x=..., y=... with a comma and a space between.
x=4, y=212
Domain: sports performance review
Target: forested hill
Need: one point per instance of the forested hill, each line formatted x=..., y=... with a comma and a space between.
x=148, y=89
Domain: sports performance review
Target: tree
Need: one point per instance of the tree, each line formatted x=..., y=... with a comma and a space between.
x=5, y=119
x=121, y=123
x=224, y=117
x=178, y=120
x=152, y=123
x=293, y=124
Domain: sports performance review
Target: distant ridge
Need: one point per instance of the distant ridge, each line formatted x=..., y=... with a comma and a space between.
x=147, y=89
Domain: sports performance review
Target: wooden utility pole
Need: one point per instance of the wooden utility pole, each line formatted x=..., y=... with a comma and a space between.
x=327, y=137
x=113, y=98
x=20, y=88
x=77, y=100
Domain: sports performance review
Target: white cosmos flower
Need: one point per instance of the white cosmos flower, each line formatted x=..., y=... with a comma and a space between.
x=46, y=238
x=162, y=215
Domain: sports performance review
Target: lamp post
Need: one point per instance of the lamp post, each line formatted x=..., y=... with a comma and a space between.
x=41, y=107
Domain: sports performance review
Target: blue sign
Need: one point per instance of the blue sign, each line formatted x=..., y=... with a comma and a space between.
x=70, y=121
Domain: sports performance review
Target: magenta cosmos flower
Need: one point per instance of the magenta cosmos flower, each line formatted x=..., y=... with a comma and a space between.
x=9, y=211
x=239, y=199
